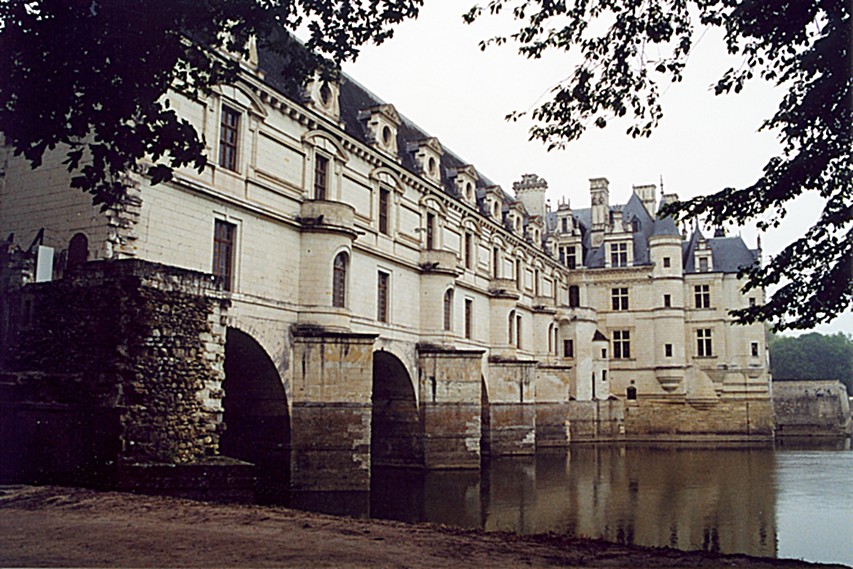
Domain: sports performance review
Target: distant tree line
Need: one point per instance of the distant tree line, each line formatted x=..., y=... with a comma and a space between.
x=813, y=356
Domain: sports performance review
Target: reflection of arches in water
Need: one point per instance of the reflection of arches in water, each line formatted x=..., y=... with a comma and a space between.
x=256, y=414
x=485, y=420
x=395, y=438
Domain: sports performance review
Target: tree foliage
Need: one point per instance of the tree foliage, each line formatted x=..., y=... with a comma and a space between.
x=629, y=48
x=813, y=356
x=91, y=74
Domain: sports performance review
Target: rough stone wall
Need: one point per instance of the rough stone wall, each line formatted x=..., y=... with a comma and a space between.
x=141, y=342
x=811, y=408
x=595, y=421
x=331, y=410
x=450, y=397
x=661, y=419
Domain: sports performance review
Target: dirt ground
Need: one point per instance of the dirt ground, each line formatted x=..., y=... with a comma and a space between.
x=62, y=527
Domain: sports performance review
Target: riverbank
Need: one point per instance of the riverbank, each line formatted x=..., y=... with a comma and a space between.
x=61, y=527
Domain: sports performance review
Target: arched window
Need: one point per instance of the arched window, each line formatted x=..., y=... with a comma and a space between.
x=339, y=280
x=78, y=250
x=631, y=393
x=551, y=339
x=518, y=331
x=448, y=310
x=511, y=328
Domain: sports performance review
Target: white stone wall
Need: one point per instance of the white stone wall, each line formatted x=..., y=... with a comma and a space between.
x=282, y=271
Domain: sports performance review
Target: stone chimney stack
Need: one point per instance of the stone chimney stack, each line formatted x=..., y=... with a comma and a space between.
x=531, y=192
x=647, y=195
x=599, y=194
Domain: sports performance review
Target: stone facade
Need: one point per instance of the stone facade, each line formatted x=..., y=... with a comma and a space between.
x=337, y=230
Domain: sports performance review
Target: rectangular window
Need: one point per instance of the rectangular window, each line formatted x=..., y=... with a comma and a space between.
x=666, y=262
x=382, y=296
x=518, y=331
x=430, y=231
x=574, y=296
x=536, y=278
x=621, y=344
x=223, y=252
x=229, y=130
x=384, y=199
x=619, y=254
x=571, y=260
x=703, y=265
x=754, y=349
x=702, y=296
x=568, y=348
x=704, y=348
x=619, y=298
x=321, y=169
x=667, y=300
x=565, y=225
x=751, y=302
x=563, y=255
x=667, y=350
x=469, y=315
x=496, y=263
x=519, y=282
x=469, y=253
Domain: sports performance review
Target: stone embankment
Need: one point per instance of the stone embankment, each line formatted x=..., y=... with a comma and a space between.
x=811, y=409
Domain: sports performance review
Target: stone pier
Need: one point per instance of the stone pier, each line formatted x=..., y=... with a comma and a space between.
x=331, y=410
x=512, y=409
x=449, y=384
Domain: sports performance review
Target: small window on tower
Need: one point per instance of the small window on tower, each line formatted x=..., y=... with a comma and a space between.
x=384, y=204
x=321, y=180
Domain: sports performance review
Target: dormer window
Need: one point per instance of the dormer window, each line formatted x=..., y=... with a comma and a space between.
x=618, y=254
x=703, y=261
x=325, y=93
x=427, y=154
x=381, y=124
x=432, y=167
x=465, y=182
x=322, y=96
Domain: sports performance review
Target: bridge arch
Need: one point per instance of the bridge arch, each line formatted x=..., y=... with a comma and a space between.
x=256, y=414
x=395, y=432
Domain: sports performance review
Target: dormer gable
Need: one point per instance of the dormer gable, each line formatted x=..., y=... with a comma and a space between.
x=493, y=203
x=323, y=96
x=535, y=230
x=465, y=183
x=515, y=217
x=565, y=218
x=703, y=259
x=427, y=153
x=380, y=127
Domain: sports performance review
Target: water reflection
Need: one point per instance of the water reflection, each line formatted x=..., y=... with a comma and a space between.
x=727, y=500
x=685, y=498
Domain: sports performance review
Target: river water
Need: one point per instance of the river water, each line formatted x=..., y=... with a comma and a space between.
x=783, y=502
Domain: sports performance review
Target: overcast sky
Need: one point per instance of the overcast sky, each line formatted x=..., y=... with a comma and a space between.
x=434, y=73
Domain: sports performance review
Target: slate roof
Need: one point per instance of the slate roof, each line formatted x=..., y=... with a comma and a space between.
x=729, y=253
